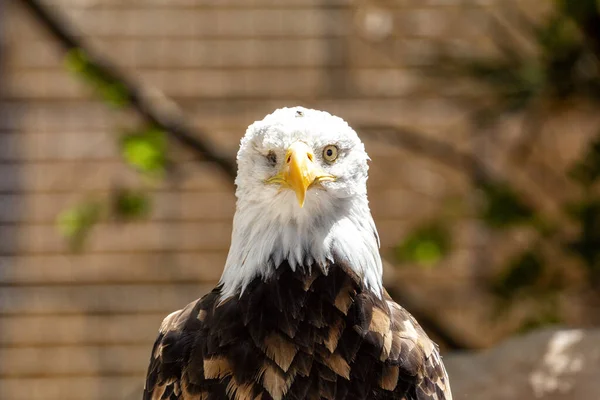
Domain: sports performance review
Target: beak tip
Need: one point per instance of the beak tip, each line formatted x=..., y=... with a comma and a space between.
x=301, y=201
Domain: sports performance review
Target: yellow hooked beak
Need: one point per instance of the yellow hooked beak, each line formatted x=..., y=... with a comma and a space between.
x=299, y=171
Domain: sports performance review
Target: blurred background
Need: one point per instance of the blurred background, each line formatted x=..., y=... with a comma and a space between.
x=119, y=123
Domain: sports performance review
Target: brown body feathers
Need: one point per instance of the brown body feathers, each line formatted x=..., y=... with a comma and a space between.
x=295, y=336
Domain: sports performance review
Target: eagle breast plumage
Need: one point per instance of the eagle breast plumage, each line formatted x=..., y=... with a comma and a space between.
x=297, y=336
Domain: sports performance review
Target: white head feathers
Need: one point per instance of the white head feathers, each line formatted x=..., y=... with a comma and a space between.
x=270, y=227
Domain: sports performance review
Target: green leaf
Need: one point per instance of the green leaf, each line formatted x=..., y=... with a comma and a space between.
x=145, y=150
x=522, y=272
x=76, y=61
x=130, y=204
x=112, y=91
x=75, y=223
x=503, y=208
x=426, y=245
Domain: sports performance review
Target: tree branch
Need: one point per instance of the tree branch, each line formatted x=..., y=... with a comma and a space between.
x=427, y=147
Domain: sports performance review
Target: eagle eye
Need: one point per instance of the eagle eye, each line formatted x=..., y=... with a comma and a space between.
x=330, y=153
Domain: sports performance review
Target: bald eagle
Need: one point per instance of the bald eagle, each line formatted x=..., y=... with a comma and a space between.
x=300, y=311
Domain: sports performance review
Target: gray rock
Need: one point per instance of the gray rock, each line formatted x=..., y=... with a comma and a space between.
x=548, y=365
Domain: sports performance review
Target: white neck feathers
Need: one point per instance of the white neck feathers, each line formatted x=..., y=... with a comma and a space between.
x=263, y=238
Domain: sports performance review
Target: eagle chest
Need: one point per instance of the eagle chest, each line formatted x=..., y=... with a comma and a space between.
x=297, y=336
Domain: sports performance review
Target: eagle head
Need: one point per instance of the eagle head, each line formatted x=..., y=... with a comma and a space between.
x=298, y=158
x=301, y=198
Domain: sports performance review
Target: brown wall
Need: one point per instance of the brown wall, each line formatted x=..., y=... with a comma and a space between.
x=81, y=326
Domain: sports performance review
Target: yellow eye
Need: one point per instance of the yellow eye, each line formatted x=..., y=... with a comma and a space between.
x=330, y=153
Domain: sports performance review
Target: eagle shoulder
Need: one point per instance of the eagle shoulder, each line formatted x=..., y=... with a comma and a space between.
x=295, y=337
x=407, y=350
x=179, y=332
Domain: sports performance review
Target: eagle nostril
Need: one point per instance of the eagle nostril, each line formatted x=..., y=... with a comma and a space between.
x=310, y=156
x=289, y=159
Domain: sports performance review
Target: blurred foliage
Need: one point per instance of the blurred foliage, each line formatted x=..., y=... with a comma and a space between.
x=131, y=204
x=76, y=223
x=527, y=278
x=586, y=245
x=586, y=171
x=559, y=67
x=503, y=207
x=563, y=65
x=145, y=150
x=426, y=245
x=112, y=92
x=522, y=272
x=546, y=313
x=516, y=84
